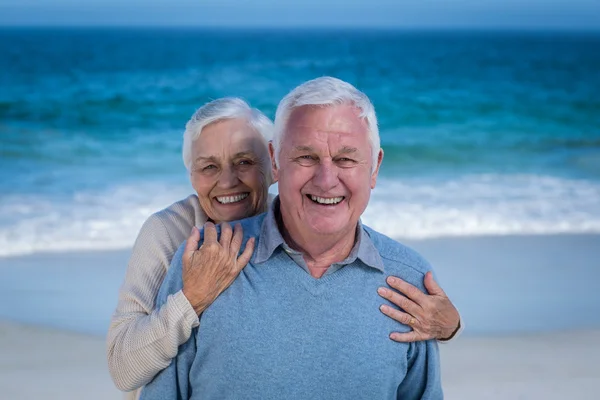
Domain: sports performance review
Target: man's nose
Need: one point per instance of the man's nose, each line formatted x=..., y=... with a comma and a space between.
x=228, y=178
x=326, y=176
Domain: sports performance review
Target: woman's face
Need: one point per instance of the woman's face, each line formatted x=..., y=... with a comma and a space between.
x=230, y=170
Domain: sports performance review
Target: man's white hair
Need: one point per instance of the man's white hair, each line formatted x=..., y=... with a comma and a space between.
x=326, y=91
x=219, y=110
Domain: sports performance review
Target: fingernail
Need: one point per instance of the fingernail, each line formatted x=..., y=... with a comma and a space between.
x=393, y=336
x=382, y=291
x=392, y=280
x=384, y=308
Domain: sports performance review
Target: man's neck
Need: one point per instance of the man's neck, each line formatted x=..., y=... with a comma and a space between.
x=319, y=251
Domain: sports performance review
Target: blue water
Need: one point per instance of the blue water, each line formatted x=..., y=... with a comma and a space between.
x=483, y=133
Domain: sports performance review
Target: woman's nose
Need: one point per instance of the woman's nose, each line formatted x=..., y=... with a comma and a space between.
x=228, y=178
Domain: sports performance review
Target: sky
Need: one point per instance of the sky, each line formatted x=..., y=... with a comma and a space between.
x=479, y=14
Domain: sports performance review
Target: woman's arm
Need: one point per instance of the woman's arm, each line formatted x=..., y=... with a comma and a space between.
x=142, y=341
x=172, y=382
x=431, y=316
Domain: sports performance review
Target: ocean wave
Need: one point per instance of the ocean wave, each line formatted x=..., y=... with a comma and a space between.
x=92, y=220
x=488, y=204
x=414, y=208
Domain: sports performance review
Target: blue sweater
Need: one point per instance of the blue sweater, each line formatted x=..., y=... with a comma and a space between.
x=279, y=333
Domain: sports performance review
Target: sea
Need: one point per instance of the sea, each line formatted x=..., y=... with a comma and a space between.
x=484, y=133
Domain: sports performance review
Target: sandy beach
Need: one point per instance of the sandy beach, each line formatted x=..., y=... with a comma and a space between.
x=530, y=304
x=51, y=364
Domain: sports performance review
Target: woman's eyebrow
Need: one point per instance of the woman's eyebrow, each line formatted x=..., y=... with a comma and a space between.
x=245, y=153
x=208, y=158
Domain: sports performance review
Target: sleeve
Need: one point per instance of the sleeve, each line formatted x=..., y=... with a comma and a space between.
x=173, y=381
x=423, y=376
x=456, y=333
x=142, y=339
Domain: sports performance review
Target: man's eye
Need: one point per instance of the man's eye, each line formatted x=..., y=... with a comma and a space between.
x=306, y=160
x=345, y=162
x=209, y=167
x=245, y=162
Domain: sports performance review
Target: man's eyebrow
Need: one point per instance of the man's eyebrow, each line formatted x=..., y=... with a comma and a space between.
x=303, y=148
x=347, y=150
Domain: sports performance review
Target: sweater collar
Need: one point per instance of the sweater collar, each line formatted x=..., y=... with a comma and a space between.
x=271, y=239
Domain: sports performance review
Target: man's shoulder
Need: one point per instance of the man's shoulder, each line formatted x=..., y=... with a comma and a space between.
x=396, y=255
x=251, y=226
x=254, y=223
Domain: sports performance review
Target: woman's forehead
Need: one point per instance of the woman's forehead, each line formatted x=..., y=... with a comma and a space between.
x=229, y=143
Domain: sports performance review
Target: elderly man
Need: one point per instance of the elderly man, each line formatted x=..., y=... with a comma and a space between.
x=298, y=322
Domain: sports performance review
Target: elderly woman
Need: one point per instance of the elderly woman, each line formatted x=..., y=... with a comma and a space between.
x=225, y=151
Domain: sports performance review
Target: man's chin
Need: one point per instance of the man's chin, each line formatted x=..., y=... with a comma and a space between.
x=325, y=228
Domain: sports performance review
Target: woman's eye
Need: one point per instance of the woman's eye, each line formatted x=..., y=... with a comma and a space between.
x=209, y=167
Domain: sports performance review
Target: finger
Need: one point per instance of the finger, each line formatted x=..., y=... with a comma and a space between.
x=410, y=291
x=238, y=238
x=432, y=287
x=407, y=337
x=192, y=241
x=401, y=301
x=226, y=234
x=210, y=233
x=397, y=315
x=190, y=247
x=244, y=258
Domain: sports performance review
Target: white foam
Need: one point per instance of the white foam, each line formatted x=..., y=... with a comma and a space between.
x=411, y=208
x=87, y=221
x=484, y=205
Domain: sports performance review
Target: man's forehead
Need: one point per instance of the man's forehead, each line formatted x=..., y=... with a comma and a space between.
x=308, y=123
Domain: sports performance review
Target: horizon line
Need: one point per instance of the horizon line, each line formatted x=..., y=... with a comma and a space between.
x=499, y=28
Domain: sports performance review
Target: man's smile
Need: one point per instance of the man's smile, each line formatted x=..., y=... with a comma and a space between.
x=328, y=201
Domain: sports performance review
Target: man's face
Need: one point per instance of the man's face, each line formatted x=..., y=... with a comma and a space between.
x=229, y=170
x=325, y=170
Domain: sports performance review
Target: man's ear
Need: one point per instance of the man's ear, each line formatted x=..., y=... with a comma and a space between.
x=274, y=169
x=376, y=171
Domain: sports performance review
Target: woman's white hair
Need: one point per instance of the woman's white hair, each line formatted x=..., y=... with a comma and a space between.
x=326, y=91
x=219, y=110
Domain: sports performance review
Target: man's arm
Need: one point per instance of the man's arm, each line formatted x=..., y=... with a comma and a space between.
x=172, y=382
x=423, y=378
